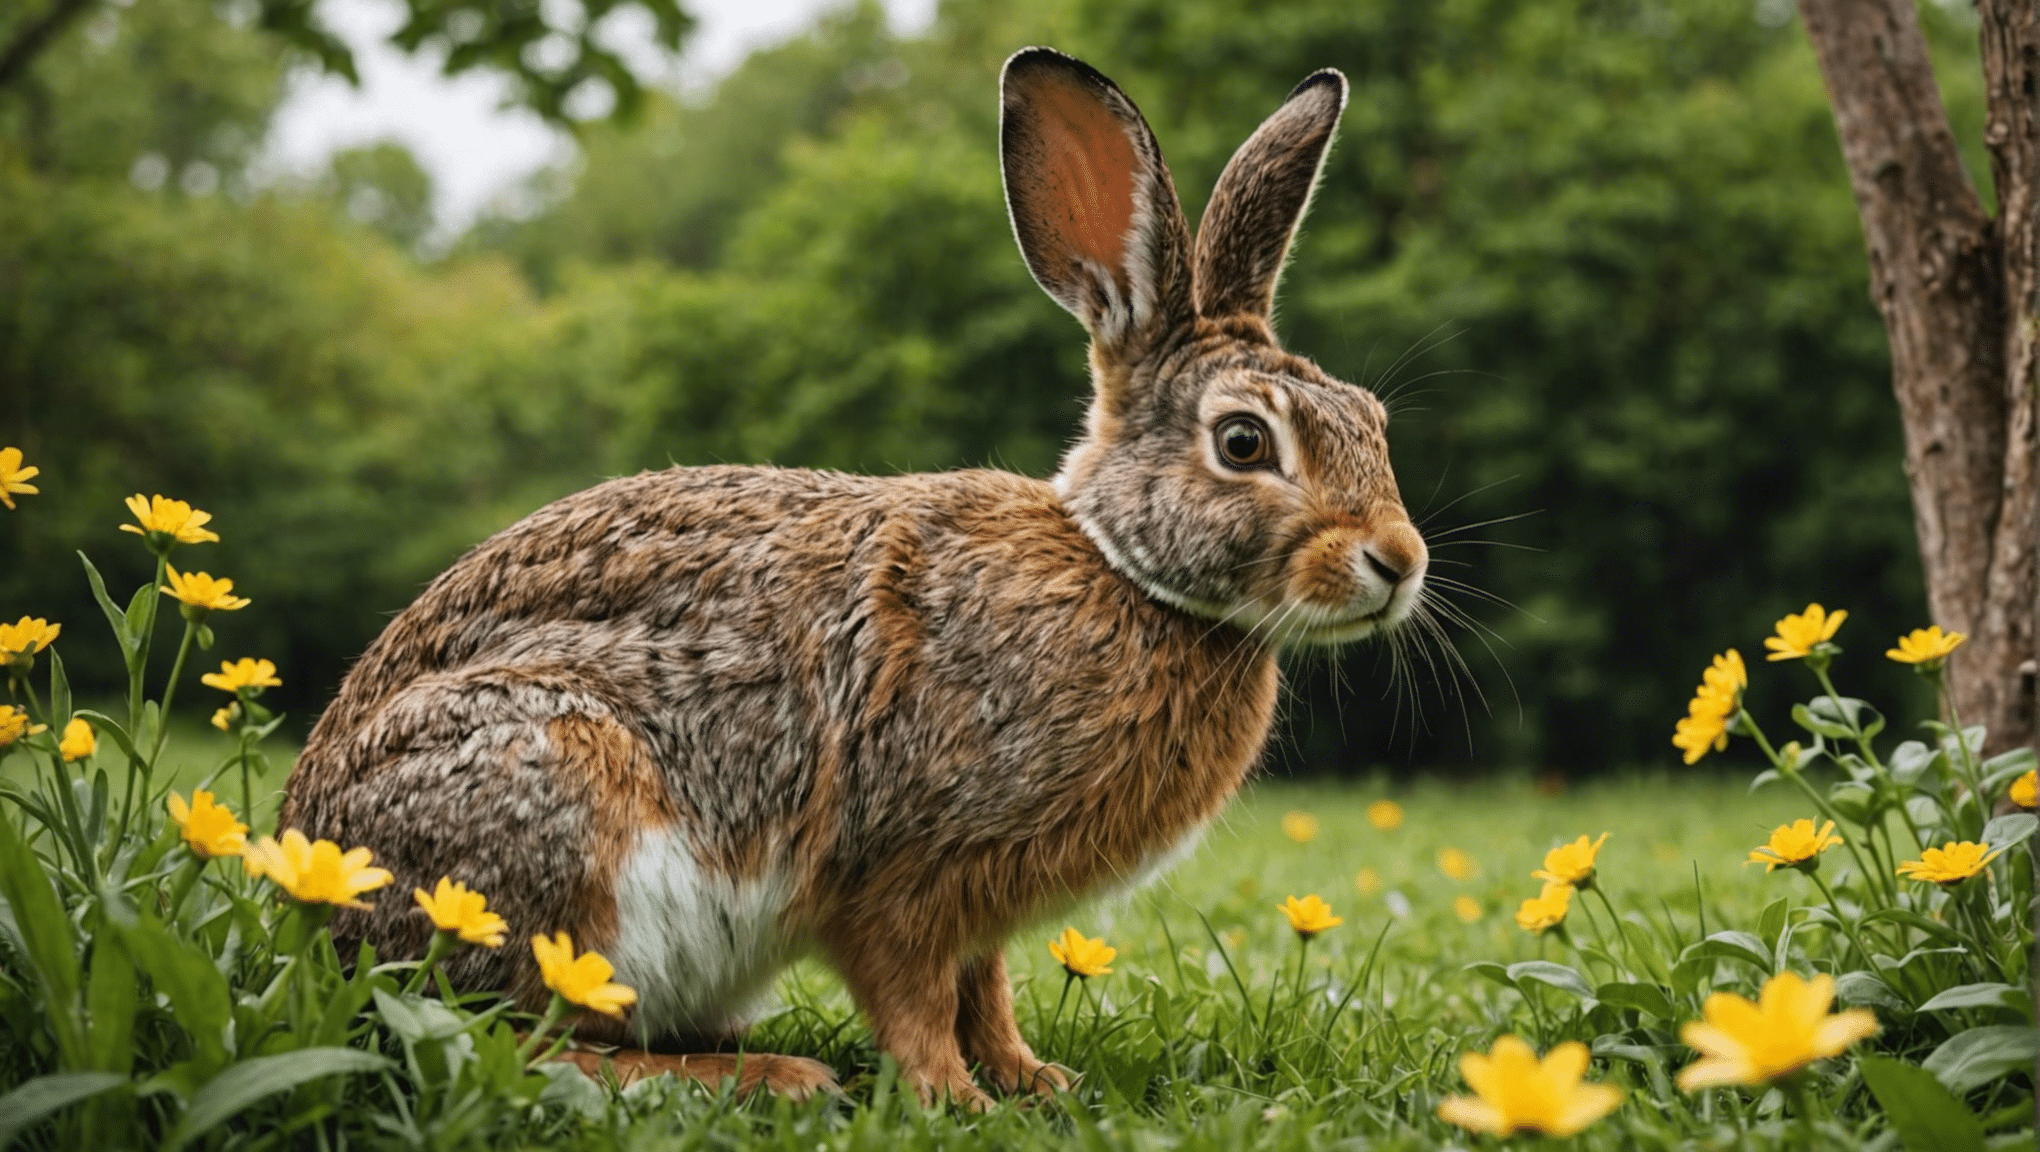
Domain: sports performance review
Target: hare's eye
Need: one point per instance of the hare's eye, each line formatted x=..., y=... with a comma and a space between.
x=1243, y=442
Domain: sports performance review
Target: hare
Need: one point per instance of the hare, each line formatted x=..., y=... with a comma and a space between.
x=711, y=720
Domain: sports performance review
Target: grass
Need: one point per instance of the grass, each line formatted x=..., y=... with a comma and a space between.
x=1200, y=1038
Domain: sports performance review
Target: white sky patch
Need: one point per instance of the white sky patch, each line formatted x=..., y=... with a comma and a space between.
x=461, y=130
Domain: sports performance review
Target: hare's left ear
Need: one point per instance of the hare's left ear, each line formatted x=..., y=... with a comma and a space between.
x=1261, y=198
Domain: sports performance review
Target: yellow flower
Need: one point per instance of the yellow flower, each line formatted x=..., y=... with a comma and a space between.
x=1466, y=908
x=1795, y=845
x=12, y=474
x=1714, y=704
x=1514, y=1090
x=315, y=871
x=1798, y=635
x=1309, y=916
x=78, y=741
x=210, y=829
x=203, y=592
x=27, y=636
x=1571, y=863
x=14, y=725
x=1385, y=815
x=1301, y=827
x=1700, y=732
x=582, y=979
x=1927, y=646
x=1952, y=863
x=235, y=675
x=1457, y=864
x=1547, y=909
x=453, y=908
x=1368, y=881
x=174, y=519
x=1082, y=957
x=225, y=717
x=1785, y=1030
x=2025, y=791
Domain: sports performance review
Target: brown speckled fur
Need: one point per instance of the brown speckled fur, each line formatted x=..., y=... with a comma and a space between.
x=942, y=705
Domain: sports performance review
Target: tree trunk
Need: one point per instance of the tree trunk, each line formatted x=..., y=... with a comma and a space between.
x=1960, y=296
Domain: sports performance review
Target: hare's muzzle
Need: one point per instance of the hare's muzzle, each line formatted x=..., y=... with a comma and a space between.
x=1348, y=581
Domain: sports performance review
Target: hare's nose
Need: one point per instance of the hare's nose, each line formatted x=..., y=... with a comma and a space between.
x=1383, y=567
x=1395, y=553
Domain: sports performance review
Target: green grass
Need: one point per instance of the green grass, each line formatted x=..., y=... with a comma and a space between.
x=1176, y=1055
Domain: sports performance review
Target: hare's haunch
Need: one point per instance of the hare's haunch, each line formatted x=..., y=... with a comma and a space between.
x=709, y=720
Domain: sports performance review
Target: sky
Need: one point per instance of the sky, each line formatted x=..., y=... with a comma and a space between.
x=459, y=129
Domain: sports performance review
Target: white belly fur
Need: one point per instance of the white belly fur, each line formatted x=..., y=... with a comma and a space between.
x=700, y=948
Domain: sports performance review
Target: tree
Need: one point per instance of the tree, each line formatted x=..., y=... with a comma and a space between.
x=555, y=54
x=1959, y=290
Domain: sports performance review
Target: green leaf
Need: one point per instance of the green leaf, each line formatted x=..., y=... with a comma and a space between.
x=1912, y=759
x=1557, y=975
x=110, y=727
x=110, y=1002
x=137, y=616
x=1492, y=971
x=1868, y=990
x=1969, y=1060
x=46, y=1095
x=1927, y=1116
x=1643, y=949
x=1767, y=776
x=51, y=945
x=2010, y=829
x=1807, y=719
x=1843, y=711
x=1915, y=920
x=1643, y=997
x=1772, y=922
x=1982, y=996
x=2002, y=768
x=251, y=1080
x=1854, y=802
x=60, y=692
x=199, y=998
x=1730, y=945
x=114, y=618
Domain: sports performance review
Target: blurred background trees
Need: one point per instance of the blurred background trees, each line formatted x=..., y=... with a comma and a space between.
x=1603, y=255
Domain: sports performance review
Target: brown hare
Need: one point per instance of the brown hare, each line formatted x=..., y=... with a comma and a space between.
x=711, y=720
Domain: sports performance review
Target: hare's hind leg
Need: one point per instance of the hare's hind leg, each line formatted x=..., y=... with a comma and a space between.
x=988, y=1034
x=794, y=1076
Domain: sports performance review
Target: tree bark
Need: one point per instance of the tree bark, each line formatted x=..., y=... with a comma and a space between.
x=1960, y=296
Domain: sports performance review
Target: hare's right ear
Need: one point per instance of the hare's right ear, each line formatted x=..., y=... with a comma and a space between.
x=1092, y=204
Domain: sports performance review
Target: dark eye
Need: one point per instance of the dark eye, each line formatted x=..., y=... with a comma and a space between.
x=1244, y=442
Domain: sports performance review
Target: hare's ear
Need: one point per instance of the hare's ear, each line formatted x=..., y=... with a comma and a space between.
x=1092, y=204
x=1261, y=198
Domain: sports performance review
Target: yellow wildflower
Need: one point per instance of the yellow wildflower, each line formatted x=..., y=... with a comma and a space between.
x=1795, y=845
x=224, y=718
x=14, y=725
x=1514, y=1091
x=1082, y=957
x=236, y=675
x=1385, y=815
x=203, y=592
x=1785, y=1030
x=1309, y=916
x=12, y=475
x=1714, y=704
x=78, y=741
x=164, y=521
x=315, y=871
x=1368, y=881
x=210, y=829
x=454, y=908
x=1466, y=908
x=1952, y=863
x=1301, y=827
x=1799, y=634
x=1928, y=646
x=27, y=636
x=582, y=979
x=1457, y=864
x=2025, y=791
x=1571, y=863
x=1547, y=909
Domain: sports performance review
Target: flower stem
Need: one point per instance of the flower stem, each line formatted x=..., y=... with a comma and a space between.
x=1848, y=929
x=170, y=693
x=443, y=944
x=1820, y=802
x=1069, y=978
x=554, y=1013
